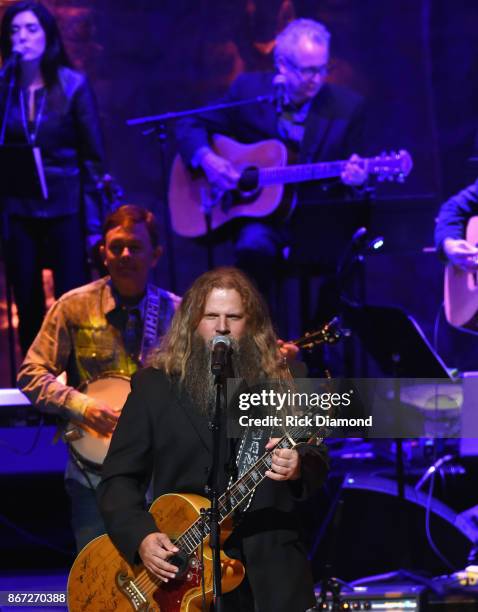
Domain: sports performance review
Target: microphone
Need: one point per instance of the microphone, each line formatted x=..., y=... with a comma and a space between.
x=356, y=249
x=11, y=63
x=279, y=92
x=361, y=242
x=220, y=349
x=359, y=239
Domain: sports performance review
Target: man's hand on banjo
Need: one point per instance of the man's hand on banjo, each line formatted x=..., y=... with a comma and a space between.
x=101, y=417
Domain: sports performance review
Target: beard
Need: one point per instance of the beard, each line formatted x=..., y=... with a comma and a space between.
x=244, y=361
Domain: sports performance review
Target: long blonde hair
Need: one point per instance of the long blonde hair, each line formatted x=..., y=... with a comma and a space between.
x=176, y=346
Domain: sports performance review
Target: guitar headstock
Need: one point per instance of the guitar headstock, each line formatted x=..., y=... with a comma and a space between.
x=330, y=333
x=391, y=166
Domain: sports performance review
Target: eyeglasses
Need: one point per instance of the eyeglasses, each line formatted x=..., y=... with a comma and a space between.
x=307, y=72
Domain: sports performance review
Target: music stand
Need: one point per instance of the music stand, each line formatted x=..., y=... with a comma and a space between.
x=396, y=342
x=399, y=346
x=21, y=172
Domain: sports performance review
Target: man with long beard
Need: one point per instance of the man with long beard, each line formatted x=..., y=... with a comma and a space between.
x=163, y=434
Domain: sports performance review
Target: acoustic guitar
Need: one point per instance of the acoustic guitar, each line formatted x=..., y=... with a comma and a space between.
x=260, y=191
x=461, y=288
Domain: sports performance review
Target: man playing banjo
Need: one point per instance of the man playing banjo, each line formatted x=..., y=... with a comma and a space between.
x=99, y=334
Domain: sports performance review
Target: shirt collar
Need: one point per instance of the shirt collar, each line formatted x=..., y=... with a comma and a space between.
x=299, y=112
x=111, y=300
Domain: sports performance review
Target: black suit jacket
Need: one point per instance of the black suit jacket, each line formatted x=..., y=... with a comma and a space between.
x=161, y=435
x=333, y=129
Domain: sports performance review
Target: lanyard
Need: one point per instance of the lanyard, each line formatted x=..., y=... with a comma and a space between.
x=31, y=136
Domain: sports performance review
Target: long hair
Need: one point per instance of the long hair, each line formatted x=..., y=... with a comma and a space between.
x=54, y=56
x=176, y=346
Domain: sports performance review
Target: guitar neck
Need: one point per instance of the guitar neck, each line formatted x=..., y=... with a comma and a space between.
x=237, y=493
x=302, y=172
x=330, y=333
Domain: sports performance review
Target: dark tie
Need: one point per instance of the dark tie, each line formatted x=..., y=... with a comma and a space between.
x=132, y=332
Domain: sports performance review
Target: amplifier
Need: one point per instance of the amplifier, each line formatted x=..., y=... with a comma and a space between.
x=392, y=598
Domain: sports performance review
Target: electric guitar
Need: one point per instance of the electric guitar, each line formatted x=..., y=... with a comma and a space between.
x=461, y=288
x=260, y=190
x=101, y=580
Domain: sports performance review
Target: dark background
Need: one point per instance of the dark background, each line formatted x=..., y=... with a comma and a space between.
x=414, y=60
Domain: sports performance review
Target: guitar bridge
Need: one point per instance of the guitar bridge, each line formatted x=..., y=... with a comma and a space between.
x=130, y=590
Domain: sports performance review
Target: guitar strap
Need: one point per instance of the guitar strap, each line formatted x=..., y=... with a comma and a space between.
x=158, y=308
x=251, y=448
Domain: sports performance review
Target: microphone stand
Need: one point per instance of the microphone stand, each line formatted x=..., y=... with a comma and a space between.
x=160, y=127
x=213, y=512
x=11, y=85
x=350, y=279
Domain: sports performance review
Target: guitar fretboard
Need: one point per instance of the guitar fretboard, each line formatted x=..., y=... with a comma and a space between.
x=190, y=540
x=389, y=166
x=300, y=172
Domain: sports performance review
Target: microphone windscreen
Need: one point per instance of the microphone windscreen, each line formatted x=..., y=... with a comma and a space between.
x=224, y=339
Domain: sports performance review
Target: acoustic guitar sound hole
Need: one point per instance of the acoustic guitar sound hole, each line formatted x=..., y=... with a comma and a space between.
x=248, y=186
x=181, y=561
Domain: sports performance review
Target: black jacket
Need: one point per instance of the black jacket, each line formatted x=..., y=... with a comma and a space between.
x=454, y=215
x=70, y=140
x=333, y=128
x=161, y=435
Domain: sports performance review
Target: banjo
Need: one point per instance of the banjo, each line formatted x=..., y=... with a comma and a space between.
x=86, y=444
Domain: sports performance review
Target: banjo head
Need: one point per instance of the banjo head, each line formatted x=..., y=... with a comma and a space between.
x=112, y=389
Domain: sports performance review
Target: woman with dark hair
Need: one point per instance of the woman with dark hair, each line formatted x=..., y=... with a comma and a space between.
x=50, y=106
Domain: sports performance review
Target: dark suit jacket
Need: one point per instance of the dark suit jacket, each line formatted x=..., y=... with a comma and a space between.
x=454, y=215
x=160, y=435
x=333, y=128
